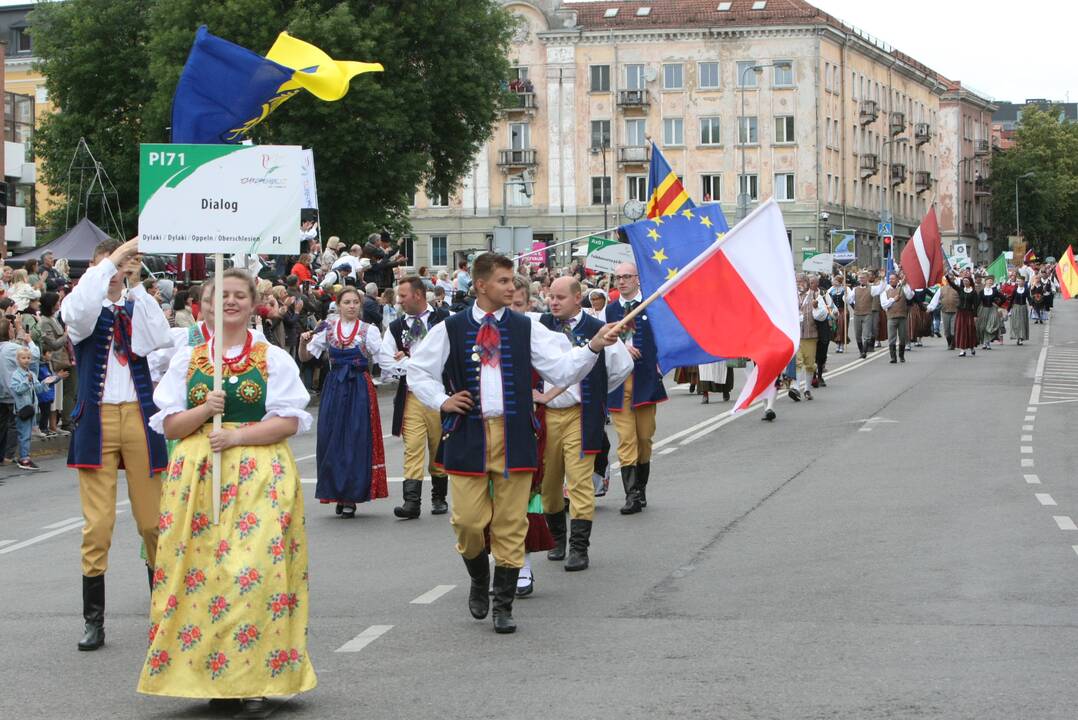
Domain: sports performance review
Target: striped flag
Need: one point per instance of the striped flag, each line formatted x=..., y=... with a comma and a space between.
x=666, y=194
x=1067, y=274
x=922, y=258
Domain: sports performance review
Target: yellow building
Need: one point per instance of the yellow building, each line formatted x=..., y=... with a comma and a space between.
x=839, y=127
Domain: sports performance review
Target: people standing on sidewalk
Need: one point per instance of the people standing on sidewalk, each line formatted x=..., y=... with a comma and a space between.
x=25, y=388
x=350, y=455
x=54, y=339
x=113, y=331
x=418, y=426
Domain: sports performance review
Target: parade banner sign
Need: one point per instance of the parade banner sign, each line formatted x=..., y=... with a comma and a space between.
x=961, y=260
x=220, y=198
x=604, y=254
x=845, y=244
x=820, y=262
x=310, y=185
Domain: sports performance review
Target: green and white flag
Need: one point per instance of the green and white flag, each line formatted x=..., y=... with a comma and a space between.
x=998, y=268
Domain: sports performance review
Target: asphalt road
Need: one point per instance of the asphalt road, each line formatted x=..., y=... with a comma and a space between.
x=901, y=547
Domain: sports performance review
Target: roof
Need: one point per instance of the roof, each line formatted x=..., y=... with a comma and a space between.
x=1008, y=112
x=594, y=15
x=77, y=244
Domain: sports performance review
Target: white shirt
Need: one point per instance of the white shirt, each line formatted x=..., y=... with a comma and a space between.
x=874, y=290
x=159, y=359
x=371, y=338
x=149, y=326
x=619, y=365
x=556, y=361
x=638, y=298
x=285, y=394
x=351, y=261
x=887, y=301
x=387, y=360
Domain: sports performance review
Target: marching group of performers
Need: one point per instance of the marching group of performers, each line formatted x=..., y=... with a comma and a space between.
x=506, y=411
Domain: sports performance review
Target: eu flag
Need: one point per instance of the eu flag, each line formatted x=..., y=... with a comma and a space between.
x=666, y=193
x=224, y=91
x=661, y=246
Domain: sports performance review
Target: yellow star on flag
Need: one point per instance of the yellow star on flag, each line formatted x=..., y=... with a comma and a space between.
x=659, y=255
x=653, y=234
x=687, y=213
x=671, y=273
x=705, y=221
x=720, y=235
x=658, y=220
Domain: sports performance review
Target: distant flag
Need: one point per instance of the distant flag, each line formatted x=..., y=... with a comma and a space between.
x=998, y=268
x=666, y=194
x=1067, y=274
x=734, y=297
x=1029, y=257
x=923, y=259
x=225, y=89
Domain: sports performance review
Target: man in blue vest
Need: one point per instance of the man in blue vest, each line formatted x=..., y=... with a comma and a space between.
x=418, y=426
x=575, y=426
x=113, y=331
x=477, y=368
x=632, y=405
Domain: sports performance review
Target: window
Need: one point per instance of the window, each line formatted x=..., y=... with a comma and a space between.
x=673, y=131
x=673, y=76
x=600, y=133
x=784, y=186
x=600, y=78
x=745, y=75
x=853, y=85
x=519, y=136
x=759, y=4
x=411, y=203
x=784, y=129
x=439, y=250
x=438, y=200
x=407, y=246
x=21, y=43
x=638, y=187
x=643, y=11
x=709, y=131
x=634, y=77
x=519, y=74
x=746, y=131
x=725, y=6
x=708, y=75
x=517, y=193
x=711, y=188
x=784, y=74
x=600, y=190
x=610, y=12
x=749, y=184
x=19, y=119
x=635, y=132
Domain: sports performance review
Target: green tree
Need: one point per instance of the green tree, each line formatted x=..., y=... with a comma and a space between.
x=421, y=122
x=1048, y=201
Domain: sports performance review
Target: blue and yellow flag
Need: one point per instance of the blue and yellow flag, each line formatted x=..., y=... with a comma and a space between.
x=225, y=90
x=666, y=194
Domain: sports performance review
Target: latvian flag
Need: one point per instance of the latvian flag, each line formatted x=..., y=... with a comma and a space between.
x=922, y=258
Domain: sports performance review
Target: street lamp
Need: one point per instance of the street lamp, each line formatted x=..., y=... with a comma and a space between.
x=1017, y=225
x=743, y=182
x=606, y=197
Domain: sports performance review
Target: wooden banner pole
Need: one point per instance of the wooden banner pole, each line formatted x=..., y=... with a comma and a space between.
x=218, y=355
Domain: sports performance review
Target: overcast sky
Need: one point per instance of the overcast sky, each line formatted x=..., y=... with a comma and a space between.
x=1009, y=50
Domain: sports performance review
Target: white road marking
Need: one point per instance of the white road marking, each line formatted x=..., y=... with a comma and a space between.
x=304, y=457
x=1074, y=548
x=365, y=638
x=1031, y=409
x=864, y=429
x=667, y=451
x=431, y=595
x=1027, y=427
x=1045, y=499
x=314, y=481
x=39, y=538
x=1030, y=418
x=1032, y=479
x=1027, y=450
x=5, y=543
x=62, y=523
x=1027, y=462
x=1064, y=522
x=1027, y=438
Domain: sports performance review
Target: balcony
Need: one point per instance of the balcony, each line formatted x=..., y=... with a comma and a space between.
x=981, y=187
x=922, y=181
x=898, y=173
x=981, y=148
x=922, y=133
x=629, y=99
x=870, y=110
x=521, y=102
x=898, y=123
x=870, y=165
x=633, y=155
x=517, y=158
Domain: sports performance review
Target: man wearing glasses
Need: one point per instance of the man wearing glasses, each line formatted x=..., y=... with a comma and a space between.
x=632, y=404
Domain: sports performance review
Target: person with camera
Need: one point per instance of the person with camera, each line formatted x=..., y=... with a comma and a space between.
x=25, y=388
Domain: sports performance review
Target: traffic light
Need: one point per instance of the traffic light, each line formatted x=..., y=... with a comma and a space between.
x=887, y=247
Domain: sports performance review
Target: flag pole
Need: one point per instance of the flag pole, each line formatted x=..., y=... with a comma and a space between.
x=516, y=258
x=218, y=356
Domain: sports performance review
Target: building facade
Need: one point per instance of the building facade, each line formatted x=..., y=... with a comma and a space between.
x=25, y=101
x=965, y=200
x=772, y=98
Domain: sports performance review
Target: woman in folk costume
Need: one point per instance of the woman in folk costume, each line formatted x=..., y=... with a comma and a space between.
x=715, y=377
x=1020, y=310
x=988, y=314
x=918, y=322
x=350, y=455
x=842, y=320
x=965, y=319
x=229, y=605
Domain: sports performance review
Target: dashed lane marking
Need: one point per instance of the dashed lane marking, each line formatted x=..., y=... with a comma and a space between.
x=1027, y=428
x=38, y=538
x=1031, y=409
x=1030, y=418
x=667, y=451
x=1027, y=450
x=1045, y=499
x=62, y=523
x=1027, y=438
x=431, y=595
x=1064, y=522
x=1027, y=462
x=365, y=638
x=1032, y=479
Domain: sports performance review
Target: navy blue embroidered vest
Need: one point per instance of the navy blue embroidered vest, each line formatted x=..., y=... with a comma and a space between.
x=464, y=445
x=593, y=388
x=91, y=356
x=647, y=382
x=396, y=329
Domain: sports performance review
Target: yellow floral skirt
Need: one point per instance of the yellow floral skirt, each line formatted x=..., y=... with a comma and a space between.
x=228, y=616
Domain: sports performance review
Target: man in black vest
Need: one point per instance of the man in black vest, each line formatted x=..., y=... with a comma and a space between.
x=419, y=426
x=575, y=422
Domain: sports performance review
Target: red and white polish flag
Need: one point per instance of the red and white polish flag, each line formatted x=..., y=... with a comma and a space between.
x=922, y=259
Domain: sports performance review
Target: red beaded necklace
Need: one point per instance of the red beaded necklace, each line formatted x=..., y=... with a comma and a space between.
x=343, y=341
x=237, y=364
